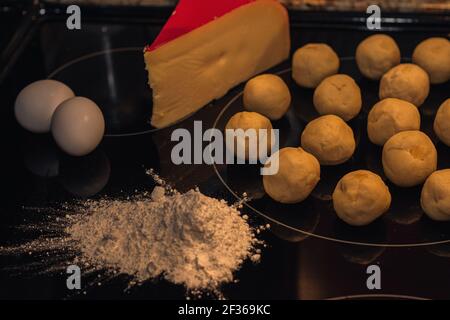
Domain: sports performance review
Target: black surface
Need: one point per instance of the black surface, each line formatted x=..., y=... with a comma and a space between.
x=10, y=16
x=402, y=225
x=294, y=265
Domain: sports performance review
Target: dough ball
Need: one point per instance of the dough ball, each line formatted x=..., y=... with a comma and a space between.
x=409, y=157
x=435, y=198
x=298, y=174
x=433, y=55
x=442, y=122
x=245, y=121
x=329, y=139
x=361, y=197
x=268, y=95
x=391, y=116
x=407, y=82
x=312, y=63
x=339, y=95
x=376, y=54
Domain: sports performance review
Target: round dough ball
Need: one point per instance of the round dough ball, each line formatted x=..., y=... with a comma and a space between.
x=433, y=55
x=312, y=63
x=248, y=120
x=36, y=103
x=435, y=198
x=339, y=95
x=407, y=82
x=361, y=197
x=442, y=122
x=376, y=54
x=268, y=95
x=409, y=157
x=391, y=116
x=298, y=174
x=329, y=139
x=78, y=126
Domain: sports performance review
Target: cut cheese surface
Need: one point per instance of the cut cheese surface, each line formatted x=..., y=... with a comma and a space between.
x=189, y=68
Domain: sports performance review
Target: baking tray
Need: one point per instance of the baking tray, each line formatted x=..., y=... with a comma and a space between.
x=104, y=62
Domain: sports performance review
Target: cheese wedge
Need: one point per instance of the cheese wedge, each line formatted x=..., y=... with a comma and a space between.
x=206, y=48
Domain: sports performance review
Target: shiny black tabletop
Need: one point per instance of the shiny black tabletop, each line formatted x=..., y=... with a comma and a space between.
x=308, y=256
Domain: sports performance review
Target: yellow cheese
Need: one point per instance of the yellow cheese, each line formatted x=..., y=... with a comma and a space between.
x=204, y=64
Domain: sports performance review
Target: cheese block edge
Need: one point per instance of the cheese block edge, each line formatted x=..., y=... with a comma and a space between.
x=202, y=65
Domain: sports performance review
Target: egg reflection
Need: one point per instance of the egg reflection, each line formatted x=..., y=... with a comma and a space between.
x=130, y=157
x=41, y=156
x=86, y=176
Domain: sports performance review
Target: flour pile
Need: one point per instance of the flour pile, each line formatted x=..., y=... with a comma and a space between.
x=189, y=238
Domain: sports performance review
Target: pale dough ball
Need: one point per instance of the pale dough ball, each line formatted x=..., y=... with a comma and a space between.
x=407, y=82
x=245, y=121
x=391, y=116
x=297, y=175
x=361, y=197
x=376, y=54
x=268, y=95
x=409, y=157
x=435, y=198
x=433, y=55
x=339, y=95
x=329, y=139
x=312, y=63
x=442, y=122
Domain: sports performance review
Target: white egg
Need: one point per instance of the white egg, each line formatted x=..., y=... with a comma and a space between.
x=78, y=126
x=36, y=103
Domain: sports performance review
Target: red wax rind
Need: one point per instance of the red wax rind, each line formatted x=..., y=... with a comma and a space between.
x=192, y=14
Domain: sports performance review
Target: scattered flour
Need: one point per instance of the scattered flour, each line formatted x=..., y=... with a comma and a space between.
x=189, y=238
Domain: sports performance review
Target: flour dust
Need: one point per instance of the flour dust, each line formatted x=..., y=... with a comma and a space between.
x=187, y=238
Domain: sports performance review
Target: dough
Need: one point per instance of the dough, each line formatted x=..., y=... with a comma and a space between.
x=297, y=176
x=442, y=122
x=339, y=95
x=268, y=95
x=435, y=198
x=391, y=116
x=409, y=157
x=433, y=55
x=329, y=139
x=312, y=63
x=248, y=120
x=361, y=197
x=376, y=54
x=407, y=82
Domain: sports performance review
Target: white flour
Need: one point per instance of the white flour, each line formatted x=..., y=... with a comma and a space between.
x=190, y=239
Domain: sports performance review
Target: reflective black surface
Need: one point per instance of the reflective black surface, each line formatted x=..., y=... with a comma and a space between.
x=401, y=225
x=295, y=265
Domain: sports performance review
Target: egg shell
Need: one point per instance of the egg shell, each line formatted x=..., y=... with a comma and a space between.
x=36, y=103
x=78, y=126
